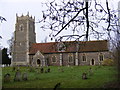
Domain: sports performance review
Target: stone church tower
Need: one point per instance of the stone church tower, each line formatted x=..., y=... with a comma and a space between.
x=24, y=36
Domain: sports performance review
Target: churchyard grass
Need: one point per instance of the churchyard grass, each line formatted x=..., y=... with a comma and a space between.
x=71, y=77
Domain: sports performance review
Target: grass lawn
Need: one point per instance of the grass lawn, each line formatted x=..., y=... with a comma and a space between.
x=70, y=78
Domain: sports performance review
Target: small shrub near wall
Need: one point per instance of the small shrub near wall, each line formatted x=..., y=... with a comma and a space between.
x=108, y=62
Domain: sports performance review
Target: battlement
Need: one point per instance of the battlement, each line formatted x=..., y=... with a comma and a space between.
x=24, y=17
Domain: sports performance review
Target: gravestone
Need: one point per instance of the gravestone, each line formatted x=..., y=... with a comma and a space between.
x=31, y=69
x=13, y=69
x=90, y=71
x=61, y=69
x=41, y=70
x=25, y=76
x=48, y=69
x=17, y=76
x=84, y=76
x=57, y=86
x=18, y=68
x=7, y=77
x=37, y=68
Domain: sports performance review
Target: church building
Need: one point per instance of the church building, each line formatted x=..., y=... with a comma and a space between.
x=26, y=51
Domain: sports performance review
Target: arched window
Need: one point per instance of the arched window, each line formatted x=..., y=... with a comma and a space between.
x=38, y=61
x=70, y=58
x=84, y=57
x=101, y=57
x=92, y=62
x=53, y=59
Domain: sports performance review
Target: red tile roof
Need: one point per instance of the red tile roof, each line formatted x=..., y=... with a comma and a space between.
x=71, y=46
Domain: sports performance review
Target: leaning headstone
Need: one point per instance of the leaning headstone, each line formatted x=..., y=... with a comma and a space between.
x=57, y=86
x=84, y=76
x=41, y=70
x=17, y=76
x=7, y=77
x=25, y=76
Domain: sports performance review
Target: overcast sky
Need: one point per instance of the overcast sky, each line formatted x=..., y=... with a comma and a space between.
x=9, y=8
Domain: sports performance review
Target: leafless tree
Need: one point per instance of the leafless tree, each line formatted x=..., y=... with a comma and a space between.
x=80, y=18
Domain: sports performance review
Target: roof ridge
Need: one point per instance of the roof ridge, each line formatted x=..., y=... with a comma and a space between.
x=51, y=47
x=72, y=41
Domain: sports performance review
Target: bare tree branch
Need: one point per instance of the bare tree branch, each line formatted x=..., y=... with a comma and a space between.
x=70, y=20
x=79, y=18
x=87, y=21
x=109, y=16
x=2, y=19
